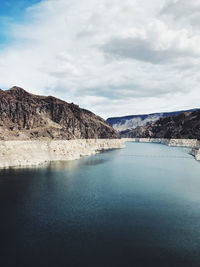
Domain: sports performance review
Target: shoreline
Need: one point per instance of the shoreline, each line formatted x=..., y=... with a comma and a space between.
x=17, y=154
x=194, y=144
x=37, y=152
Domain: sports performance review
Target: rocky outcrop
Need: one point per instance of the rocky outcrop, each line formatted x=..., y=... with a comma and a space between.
x=24, y=116
x=183, y=126
x=28, y=153
x=196, y=153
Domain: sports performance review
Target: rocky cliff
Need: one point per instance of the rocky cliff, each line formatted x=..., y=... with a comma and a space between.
x=24, y=116
x=183, y=126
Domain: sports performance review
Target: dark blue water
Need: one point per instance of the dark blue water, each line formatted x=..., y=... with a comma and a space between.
x=138, y=206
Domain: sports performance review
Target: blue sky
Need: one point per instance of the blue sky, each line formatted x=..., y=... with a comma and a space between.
x=112, y=57
x=12, y=11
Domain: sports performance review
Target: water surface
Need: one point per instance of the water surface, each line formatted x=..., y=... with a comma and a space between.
x=138, y=206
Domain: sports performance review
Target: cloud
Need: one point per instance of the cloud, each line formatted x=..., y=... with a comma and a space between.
x=181, y=8
x=114, y=58
x=185, y=12
x=143, y=50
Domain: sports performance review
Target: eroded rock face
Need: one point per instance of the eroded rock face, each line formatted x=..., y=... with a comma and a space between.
x=24, y=116
x=182, y=126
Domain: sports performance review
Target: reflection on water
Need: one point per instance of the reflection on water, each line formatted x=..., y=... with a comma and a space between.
x=118, y=208
x=63, y=165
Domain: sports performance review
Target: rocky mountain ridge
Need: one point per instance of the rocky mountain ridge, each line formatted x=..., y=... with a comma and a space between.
x=133, y=121
x=182, y=126
x=25, y=116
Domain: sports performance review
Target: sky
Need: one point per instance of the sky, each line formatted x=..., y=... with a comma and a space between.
x=112, y=57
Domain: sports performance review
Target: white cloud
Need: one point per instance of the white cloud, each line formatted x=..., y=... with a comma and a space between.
x=181, y=8
x=116, y=58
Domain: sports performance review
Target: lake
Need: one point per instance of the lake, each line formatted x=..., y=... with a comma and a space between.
x=138, y=206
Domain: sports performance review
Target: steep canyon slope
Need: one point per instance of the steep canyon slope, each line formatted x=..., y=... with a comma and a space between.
x=182, y=126
x=133, y=121
x=24, y=116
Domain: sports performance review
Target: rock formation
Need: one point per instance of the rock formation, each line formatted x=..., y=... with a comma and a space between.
x=133, y=121
x=183, y=126
x=24, y=116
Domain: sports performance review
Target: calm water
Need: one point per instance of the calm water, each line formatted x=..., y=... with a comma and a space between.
x=138, y=206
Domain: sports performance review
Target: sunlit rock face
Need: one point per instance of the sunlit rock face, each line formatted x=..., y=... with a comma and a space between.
x=35, y=152
x=25, y=116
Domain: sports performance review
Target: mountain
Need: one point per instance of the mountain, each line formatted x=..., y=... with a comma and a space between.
x=25, y=116
x=133, y=121
x=185, y=125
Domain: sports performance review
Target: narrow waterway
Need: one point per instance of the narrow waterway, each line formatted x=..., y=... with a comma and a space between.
x=138, y=206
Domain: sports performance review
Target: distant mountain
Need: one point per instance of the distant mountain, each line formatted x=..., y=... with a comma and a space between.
x=184, y=125
x=25, y=116
x=133, y=121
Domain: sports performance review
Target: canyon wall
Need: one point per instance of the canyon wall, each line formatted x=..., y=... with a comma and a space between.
x=24, y=116
x=185, y=125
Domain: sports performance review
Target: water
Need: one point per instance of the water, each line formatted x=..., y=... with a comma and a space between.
x=138, y=206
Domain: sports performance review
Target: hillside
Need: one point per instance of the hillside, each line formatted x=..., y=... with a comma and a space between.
x=133, y=121
x=25, y=116
x=185, y=125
